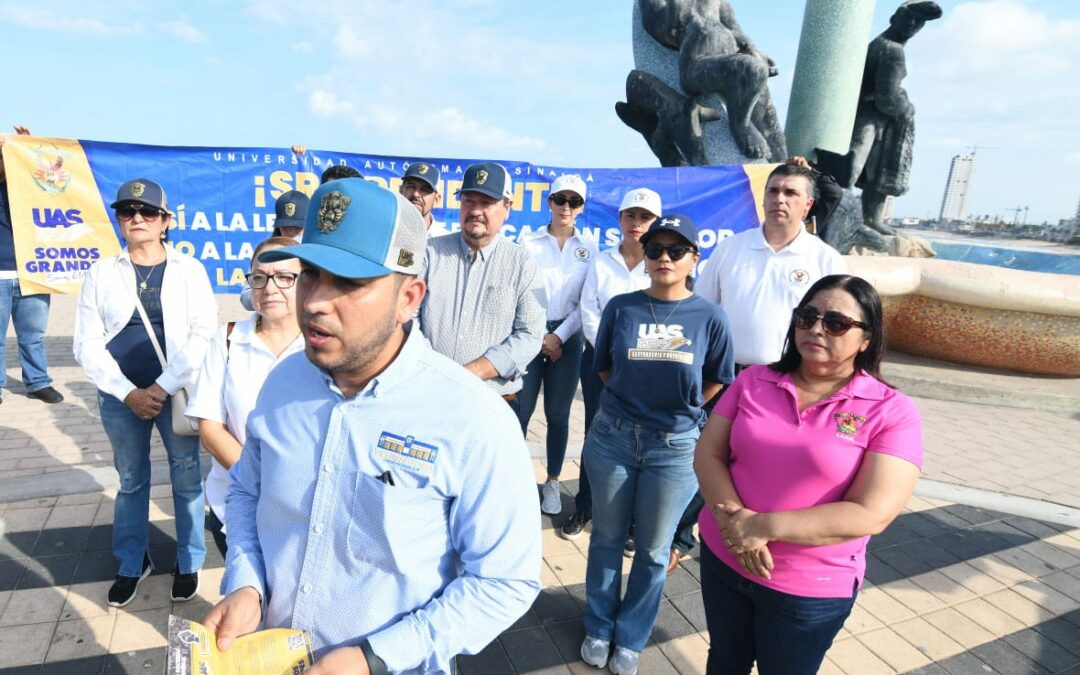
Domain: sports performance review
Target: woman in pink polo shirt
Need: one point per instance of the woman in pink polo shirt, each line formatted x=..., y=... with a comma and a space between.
x=800, y=462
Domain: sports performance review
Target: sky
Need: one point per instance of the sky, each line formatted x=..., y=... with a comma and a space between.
x=534, y=81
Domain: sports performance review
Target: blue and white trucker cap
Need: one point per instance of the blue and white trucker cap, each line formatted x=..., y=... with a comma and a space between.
x=358, y=230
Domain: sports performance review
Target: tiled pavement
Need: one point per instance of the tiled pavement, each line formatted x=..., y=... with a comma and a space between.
x=951, y=588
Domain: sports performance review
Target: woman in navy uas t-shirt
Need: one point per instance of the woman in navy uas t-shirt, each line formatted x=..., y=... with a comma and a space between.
x=663, y=352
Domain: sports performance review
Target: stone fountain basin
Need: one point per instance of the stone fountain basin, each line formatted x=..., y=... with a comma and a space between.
x=978, y=314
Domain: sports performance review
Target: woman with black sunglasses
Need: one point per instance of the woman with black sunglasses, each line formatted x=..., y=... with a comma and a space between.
x=147, y=299
x=800, y=463
x=662, y=352
x=562, y=258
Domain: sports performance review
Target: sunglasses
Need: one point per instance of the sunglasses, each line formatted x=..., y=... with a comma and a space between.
x=675, y=251
x=128, y=211
x=834, y=323
x=258, y=280
x=574, y=202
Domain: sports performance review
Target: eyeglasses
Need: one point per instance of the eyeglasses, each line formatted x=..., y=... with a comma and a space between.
x=675, y=251
x=128, y=211
x=282, y=280
x=574, y=202
x=834, y=323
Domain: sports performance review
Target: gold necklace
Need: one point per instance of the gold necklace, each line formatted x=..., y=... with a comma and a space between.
x=141, y=278
x=653, y=311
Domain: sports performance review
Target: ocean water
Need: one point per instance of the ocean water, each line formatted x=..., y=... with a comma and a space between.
x=1004, y=256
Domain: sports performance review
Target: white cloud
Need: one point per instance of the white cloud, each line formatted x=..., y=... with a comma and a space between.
x=326, y=104
x=302, y=47
x=180, y=28
x=62, y=22
x=1073, y=158
x=61, y=19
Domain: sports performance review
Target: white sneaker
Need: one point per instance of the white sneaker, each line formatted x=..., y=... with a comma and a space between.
x=624, y=661
x=594, y=651
x=552, y=502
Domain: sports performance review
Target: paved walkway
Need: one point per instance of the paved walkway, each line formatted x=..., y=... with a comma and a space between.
x=951, y=588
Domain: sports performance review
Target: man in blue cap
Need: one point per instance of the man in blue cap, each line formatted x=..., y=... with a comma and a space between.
x=485, y=306
x=376, y=503
x=420, y=185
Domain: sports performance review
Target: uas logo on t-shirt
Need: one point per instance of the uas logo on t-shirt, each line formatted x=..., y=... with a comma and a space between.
x=659, y=342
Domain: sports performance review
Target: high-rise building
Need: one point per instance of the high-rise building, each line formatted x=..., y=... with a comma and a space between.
x=888, y=208
x=953, y=205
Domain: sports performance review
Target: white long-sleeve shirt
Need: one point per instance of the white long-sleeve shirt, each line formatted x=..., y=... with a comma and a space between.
x=562, y=273
x=607, y=277
x=107, y=303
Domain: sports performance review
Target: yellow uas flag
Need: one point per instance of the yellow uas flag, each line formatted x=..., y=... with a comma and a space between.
x=59, y=221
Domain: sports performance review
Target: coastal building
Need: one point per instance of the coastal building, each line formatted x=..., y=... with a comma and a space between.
x=888, y=208
x=954, y=203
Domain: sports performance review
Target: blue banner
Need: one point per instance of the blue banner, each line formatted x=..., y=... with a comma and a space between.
x=224, y=197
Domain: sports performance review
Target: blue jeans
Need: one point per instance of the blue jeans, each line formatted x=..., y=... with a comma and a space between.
x=787, y=634
x=130, y=438
x=559, y=380
x=645, y=476
x=30, y=313
x=591, y=387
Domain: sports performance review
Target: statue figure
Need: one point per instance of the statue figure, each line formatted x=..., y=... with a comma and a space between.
x=715, y=57
x=669, y=121
x=884, y=131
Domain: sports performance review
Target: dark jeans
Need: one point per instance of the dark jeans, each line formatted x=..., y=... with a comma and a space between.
x=786, y=634
x=591, y=386
x=559, y=380
x=684, y=534
x=214, y=524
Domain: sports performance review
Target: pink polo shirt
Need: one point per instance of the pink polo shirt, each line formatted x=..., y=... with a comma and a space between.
x=783, y=460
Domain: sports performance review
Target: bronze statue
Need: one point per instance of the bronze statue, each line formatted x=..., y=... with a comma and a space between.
x=715, y=57
x=885, y=119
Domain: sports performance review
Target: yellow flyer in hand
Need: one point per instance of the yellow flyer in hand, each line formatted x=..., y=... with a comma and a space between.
x=277, y=651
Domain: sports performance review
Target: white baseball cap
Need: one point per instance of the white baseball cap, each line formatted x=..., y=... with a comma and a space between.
x=642, y=198
x=570, y=182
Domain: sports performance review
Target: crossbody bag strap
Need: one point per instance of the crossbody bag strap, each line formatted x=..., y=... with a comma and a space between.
x=146, y=322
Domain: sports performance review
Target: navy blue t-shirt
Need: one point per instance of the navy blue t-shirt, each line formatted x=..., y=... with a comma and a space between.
x=658, y=358
x=131, y=347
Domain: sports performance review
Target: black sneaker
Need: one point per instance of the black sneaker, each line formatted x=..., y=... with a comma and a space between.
x=574, y=525
x=46, y=394
x=124, y=589
x=628, y=547
x=184, y=586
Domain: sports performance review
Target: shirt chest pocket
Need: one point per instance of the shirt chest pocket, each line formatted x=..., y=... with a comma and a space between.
x=396, y=528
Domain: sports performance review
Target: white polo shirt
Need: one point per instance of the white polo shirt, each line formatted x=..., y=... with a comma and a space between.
x=227, y=388
x=607, y=277
x=758, y=287
x=562, y=272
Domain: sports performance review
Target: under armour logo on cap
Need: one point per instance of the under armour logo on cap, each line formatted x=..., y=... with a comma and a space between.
x=670, y=222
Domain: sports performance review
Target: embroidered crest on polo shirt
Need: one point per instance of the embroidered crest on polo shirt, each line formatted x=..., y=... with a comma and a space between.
x=332, y=211
x=581, y=253
x=799, y=277
x=407, y=452
x=661, y=342
x=847, y=424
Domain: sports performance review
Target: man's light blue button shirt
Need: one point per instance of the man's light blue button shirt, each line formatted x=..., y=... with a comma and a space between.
x=405, y=515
